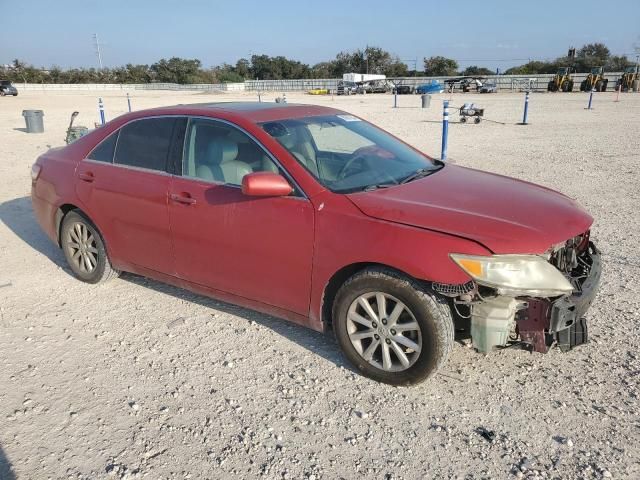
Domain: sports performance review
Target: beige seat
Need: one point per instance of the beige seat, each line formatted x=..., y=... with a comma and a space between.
x=303, y=151
x=222, y=165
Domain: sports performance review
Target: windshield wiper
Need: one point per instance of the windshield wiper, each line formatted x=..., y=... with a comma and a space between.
x=423, y=172
x=371, y=188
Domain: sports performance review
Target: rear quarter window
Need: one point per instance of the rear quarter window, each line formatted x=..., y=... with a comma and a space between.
x=105, y=149
x=145, y=143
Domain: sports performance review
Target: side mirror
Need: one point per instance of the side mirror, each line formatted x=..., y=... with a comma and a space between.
x=265, y=184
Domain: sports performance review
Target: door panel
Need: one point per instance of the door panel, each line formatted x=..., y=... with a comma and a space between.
x=124, y=185
x=257, y=248
x=130, y=208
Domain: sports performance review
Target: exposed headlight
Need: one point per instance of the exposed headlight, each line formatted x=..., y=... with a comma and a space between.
x=530, y=275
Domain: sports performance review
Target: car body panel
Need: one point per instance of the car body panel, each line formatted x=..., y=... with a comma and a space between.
x=346, y=237
x=225, y=237
x=131, y=205
x=504, y=214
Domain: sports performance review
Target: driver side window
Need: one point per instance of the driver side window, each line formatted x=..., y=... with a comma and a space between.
x=218, y=152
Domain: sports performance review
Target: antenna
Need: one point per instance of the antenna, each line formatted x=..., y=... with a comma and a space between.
x=97, y=44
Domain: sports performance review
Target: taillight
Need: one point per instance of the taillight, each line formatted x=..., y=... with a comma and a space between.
x=35, y=172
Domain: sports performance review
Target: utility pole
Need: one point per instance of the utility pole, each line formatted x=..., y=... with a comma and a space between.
x=96, y=44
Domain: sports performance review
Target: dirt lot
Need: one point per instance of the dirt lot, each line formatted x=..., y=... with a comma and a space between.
x=138, y=379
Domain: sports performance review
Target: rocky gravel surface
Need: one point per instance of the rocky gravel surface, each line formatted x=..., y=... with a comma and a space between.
x=136, y=379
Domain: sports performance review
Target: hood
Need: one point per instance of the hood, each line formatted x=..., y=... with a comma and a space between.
x=503, y=214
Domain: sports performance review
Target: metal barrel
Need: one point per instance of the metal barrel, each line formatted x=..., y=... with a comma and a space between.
x=33, y=120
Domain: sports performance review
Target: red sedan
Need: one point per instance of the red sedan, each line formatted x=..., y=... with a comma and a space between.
x=317, y=216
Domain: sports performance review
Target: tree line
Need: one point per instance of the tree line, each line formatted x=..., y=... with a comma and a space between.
x=264, y=67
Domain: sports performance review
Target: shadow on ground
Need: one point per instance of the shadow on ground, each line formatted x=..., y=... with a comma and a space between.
x=6, y=472
x=18, y=216
x=316, y=342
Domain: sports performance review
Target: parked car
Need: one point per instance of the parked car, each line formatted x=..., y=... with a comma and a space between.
x=488, y=87
x=374, y=86
x=403, y=89
x=347, y=88
x=6, y=88
x=433, y=87
x=319, y=91
x=314, y=215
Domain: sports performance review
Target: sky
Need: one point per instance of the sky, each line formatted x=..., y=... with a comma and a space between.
x=491, y=33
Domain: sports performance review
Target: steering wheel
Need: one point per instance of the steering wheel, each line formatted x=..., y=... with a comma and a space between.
x=344, y=171
x=361, y=154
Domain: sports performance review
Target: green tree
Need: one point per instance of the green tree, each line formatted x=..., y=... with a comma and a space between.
x=243, y=68
x=176, y=70
x=617, y=63
x=440, y=66
x=474, y=70
x=534, y=67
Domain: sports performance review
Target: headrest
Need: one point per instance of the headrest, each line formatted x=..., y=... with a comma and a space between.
x=288, y=141
x=229, y=151
x=222, y=150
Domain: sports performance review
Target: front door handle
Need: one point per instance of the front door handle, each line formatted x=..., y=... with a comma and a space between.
x=86, y=176
x=183, y=198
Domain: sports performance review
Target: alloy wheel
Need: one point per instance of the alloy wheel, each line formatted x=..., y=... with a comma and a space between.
x=384, y=331
x=82, y=248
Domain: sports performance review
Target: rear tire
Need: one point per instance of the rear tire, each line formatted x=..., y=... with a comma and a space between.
x=84, y=249
x=409, y=353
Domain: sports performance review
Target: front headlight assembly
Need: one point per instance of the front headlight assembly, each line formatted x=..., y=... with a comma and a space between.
x=515, y=275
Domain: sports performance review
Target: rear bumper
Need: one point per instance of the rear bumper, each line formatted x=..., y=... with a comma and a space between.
x=45, y=215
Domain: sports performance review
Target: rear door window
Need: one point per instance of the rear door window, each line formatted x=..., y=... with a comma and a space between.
x=145, y=143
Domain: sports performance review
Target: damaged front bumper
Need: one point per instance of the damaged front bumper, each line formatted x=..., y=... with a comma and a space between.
x=540, y=321
x=544, y=322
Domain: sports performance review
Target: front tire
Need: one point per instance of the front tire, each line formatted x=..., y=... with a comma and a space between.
x=391, y=328
x=84, y=249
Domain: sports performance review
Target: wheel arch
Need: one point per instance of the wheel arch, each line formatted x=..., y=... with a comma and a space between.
x=62, y=212
x=340, y=277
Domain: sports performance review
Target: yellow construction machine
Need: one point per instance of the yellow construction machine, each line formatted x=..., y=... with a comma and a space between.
x=630, y=79
x=561, y=81
x=594, y=81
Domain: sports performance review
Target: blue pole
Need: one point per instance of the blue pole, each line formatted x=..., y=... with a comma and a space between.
x=128, y=101
x=101, y=108
x=445, y=130
x=526, y=108
x=590, y=99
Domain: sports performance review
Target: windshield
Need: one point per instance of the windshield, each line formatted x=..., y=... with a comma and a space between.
x=346, y=154
x=5, y=82
x=631, y=69
x=562, y=71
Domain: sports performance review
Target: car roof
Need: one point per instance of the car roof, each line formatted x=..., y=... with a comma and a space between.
x=253, y=111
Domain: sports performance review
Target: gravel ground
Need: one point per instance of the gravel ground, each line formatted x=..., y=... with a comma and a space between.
x=138, y=379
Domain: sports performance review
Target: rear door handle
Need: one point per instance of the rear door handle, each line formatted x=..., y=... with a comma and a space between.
x=86, y=176
x=183, y=198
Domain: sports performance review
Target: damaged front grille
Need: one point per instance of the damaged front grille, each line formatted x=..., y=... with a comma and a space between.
x=574, y=259
x=454, y=290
